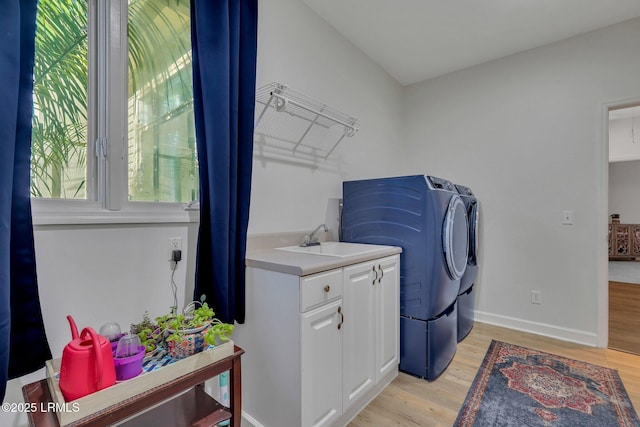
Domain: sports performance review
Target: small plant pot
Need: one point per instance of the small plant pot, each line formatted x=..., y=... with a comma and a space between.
x=192, y=342
x=129, y=367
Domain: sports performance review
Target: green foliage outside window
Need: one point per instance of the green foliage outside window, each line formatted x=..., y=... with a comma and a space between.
x=59, y=139
x=161, y=151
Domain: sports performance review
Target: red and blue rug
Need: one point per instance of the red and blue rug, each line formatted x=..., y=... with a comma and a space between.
x=518, y=386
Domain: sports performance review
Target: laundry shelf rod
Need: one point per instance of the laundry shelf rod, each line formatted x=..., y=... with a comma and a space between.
x=322, y=127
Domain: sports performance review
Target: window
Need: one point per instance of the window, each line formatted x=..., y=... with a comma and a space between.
x=59, y=135
x=113, y=122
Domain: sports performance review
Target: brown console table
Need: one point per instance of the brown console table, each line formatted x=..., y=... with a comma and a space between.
x=191, y=406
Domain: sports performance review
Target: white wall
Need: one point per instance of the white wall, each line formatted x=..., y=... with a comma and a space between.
x=297, y=48
x=101, y=273
x=525, y=132
x=624, y=196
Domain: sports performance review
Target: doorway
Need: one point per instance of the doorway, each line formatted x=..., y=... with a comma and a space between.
x=624, y=228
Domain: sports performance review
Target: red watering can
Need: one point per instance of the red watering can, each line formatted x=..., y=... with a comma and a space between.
x=87, y=364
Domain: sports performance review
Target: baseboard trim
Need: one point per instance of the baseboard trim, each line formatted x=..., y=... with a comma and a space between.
x=246, y=418
x=544, y=329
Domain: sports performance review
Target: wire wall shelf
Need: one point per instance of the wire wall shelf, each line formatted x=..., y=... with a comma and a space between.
x=290, y=120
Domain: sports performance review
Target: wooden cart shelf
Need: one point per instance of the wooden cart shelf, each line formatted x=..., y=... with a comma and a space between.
x=194, y=408
x=181, y=402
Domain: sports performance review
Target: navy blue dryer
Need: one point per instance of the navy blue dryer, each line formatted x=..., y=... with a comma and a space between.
x=466, y=296
x=427, y=218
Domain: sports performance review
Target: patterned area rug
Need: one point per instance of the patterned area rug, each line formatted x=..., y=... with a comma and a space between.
x=517, y=386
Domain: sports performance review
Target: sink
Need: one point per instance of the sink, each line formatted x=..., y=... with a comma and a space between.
x=337, y=249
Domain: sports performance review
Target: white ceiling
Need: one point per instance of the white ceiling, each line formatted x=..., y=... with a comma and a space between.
x=414, y=40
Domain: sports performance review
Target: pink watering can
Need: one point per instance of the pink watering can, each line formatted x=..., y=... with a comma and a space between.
x=87, y=364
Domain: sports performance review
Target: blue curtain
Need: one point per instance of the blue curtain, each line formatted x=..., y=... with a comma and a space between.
x=24, y=346
x=224, y=43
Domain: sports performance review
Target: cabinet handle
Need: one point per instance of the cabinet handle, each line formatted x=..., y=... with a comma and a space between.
x=381, y=273
x=341, y=317
x=376, y=273
x=327, y=288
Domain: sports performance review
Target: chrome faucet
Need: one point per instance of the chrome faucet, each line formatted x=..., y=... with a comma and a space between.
x=312, y=238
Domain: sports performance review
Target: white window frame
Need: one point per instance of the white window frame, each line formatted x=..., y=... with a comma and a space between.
x=107, y=186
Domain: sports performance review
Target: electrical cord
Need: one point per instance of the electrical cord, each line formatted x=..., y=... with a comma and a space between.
x=174, y=287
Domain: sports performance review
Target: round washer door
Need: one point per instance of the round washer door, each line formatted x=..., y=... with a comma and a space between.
x=474, y=227
x=455, y=238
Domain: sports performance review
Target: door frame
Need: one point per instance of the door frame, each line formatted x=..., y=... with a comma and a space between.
x=602, y=218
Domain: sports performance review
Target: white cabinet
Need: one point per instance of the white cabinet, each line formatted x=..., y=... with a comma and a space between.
x=321, y=353
x=370, y=340
x=359, y=339
x=320, y=347
x=388, y=319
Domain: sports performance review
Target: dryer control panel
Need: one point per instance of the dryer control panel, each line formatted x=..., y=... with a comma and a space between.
x=436, y=183
x=465, y=191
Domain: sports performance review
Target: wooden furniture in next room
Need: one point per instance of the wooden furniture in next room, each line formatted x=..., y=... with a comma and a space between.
x=624, y=242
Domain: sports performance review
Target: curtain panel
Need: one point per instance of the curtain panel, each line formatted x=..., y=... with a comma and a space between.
x=224, y=43
x=24, y=346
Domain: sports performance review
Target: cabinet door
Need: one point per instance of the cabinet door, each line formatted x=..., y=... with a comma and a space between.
x=388, y=315
x=635, y=240
x=321, y=365
x=622, y=240
x=359, y=282
x=610, y=238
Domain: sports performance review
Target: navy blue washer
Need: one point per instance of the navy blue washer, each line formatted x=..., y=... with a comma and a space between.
x=466, y=294
x=427, y=218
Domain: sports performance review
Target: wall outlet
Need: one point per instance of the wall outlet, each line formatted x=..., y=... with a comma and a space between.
x=175, y=244
x=536, y=297
x=567, y=217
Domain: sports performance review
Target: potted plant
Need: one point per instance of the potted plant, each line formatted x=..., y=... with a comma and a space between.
x=151, y=335
x=218, y=332
x=190, y=331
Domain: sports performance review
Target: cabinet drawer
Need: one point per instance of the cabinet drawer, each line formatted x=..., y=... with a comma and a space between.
x=320, y=288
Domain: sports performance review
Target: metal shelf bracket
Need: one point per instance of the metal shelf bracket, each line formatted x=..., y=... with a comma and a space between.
x=308, y=126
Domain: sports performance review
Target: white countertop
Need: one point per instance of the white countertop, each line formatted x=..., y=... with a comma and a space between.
x=302, y=264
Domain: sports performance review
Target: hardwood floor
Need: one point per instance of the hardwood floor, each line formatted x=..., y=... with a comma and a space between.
x=410, y=401
x=624, y=317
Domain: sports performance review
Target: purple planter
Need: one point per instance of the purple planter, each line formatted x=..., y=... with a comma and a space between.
x=129, y=367
x=114, y=343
